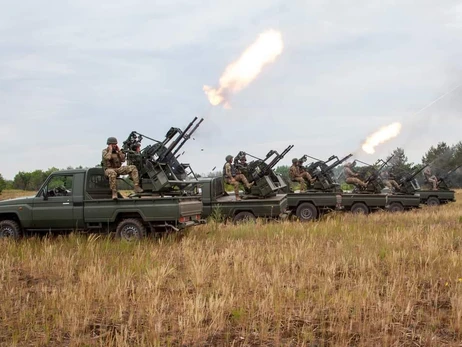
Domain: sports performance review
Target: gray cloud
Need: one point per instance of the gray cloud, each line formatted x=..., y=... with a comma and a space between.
x=73, y=74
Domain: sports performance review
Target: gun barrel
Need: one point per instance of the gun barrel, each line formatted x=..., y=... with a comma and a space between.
x=176, y=141
x=276, y=159
x=337, y=163
x=188, y=136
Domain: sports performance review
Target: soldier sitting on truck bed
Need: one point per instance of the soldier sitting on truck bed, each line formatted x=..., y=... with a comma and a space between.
x=388, y=180
x=112, y=165
x=430, y=178
x=231, y=176
x=351, y=177
x=298, y=175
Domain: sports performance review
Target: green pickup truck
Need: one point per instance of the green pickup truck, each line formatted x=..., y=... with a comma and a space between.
x=215, y=198
x=81, y=199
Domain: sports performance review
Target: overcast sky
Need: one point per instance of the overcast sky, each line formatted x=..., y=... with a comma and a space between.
x=72, y=75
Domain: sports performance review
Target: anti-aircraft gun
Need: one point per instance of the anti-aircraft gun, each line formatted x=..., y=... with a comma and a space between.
x=260, y=172
x=158, y=166
x=322, y=172
x=371, y=175
x=441, y=183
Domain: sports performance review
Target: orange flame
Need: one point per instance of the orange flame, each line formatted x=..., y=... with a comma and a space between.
x=382, y=135
x=240, y=73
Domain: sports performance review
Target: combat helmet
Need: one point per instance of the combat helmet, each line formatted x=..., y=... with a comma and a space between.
x=229, y=157
x=295, y=160
x=111, y=141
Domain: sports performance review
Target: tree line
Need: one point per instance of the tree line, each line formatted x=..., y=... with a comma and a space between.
x=32, y=180
x=441, y=158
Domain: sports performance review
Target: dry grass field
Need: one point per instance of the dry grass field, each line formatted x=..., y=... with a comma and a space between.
x=378, y=280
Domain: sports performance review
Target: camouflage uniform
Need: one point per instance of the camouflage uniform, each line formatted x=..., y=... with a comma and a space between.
x=430, y=178
x=231, y=176
x=350, y=177
x=112, y=163
x=298, y=175
x=390, y=183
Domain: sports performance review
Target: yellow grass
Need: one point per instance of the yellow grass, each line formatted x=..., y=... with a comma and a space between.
x=378, y=280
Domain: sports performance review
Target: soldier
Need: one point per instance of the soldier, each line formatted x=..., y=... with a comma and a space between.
x=389, y=181
x=350, y=176
x=112, y=164
x=231, y=176
x=295, y=174
x=430, y=178
x=134, y=155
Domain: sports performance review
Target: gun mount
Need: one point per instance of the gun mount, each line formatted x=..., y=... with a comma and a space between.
x=260, y=171
x=441, y=183
x=158, y=166
x=371, y=175
x=322, y=172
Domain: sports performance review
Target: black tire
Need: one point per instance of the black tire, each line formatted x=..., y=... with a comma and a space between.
x=306, y=212
x=396, y=207
x=10, y=229
x=243, y=217
x=433, y=201
x=130, y=229
x=360, y=208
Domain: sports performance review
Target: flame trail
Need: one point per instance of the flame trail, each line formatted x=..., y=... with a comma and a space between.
x=240, y=73
x=382, y=135
x=386, y=133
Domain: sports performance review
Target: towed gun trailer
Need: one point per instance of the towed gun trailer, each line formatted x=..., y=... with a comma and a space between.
x=321, y=197
x=82, y=199
x=364, y=200
x=262, y=200
x=428, y=196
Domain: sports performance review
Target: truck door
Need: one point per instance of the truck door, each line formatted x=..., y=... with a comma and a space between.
x=53, y=207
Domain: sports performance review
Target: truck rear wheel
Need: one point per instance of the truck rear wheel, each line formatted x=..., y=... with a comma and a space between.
x=244, y=217
x=10, y=229
x=306, y=212
x=130, y=229
x=396, y=207
x=432, y=201
x=360, y=208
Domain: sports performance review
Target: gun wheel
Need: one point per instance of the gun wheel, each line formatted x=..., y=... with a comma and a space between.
x=432, y=201
x=306, y=212
x=130, y=229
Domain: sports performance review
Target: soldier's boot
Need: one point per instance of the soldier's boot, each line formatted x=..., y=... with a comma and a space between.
x=138, y=189
x=114, y=195
x=249, y=185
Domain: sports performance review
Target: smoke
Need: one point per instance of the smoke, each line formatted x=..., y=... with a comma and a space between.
x=241, y=73
x=382, y=135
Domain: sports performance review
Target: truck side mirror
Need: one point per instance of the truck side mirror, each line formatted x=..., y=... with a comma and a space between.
x=44, y=194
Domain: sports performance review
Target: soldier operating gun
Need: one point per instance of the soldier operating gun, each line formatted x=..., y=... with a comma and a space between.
x=157, y=164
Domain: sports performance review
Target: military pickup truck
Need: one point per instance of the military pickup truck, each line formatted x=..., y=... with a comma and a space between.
x=366, y=203
x=215, y=198
x=81, y=199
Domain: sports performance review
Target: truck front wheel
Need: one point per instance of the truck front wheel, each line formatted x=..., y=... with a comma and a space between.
x=130, y=229
x=306, y=212
x=10, y=229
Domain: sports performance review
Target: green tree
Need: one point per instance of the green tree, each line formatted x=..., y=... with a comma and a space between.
x=399, y=163
x=439, y=158
x=22, y=180
x=2, y=183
